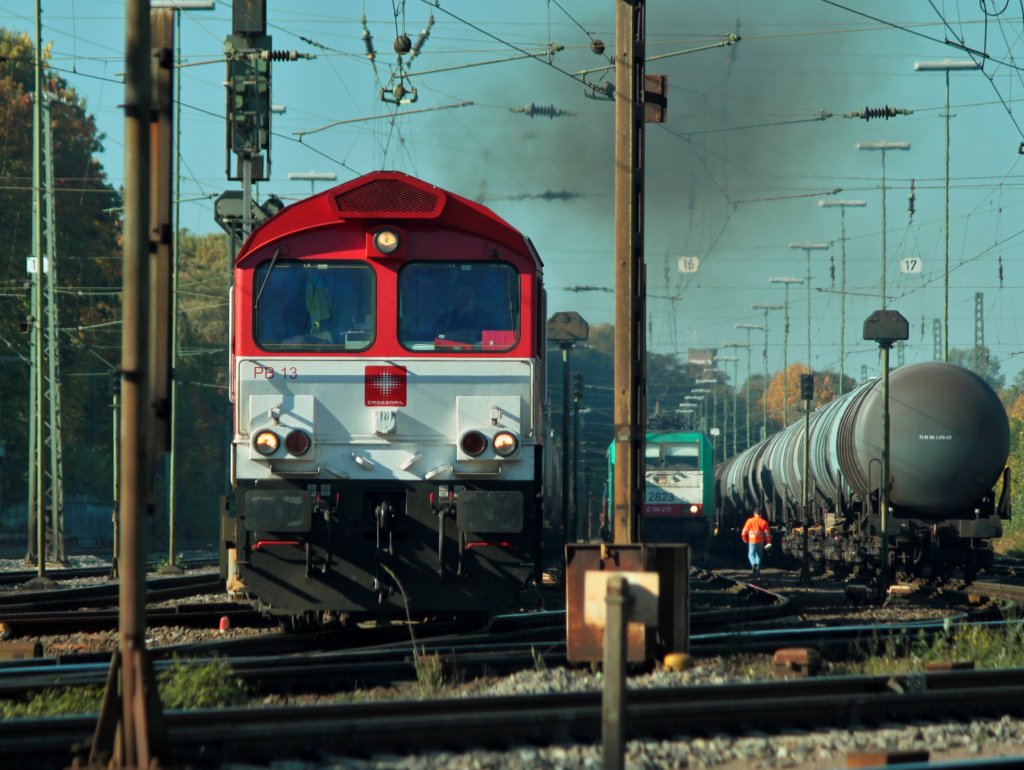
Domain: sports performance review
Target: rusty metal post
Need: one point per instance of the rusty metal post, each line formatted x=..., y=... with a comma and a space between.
x=128, y=730
x=630, y=289
x=161, y=237
x=613, y=698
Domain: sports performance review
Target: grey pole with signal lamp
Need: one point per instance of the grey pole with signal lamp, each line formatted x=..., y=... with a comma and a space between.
x=885, y=327
x=807, y=394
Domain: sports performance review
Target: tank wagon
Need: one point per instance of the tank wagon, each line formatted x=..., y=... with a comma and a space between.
x=386, y=379
x=949, y=441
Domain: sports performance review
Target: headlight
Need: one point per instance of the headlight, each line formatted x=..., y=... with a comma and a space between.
x=694, y=509
x=473, y=442
x=297, y=442
x=266, y=442
x=505, y=443
x=386, y=241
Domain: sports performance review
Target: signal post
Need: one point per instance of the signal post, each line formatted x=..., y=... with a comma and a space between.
x=638, y=99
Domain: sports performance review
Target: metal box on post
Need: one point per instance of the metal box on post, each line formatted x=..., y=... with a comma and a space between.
x=585, y=643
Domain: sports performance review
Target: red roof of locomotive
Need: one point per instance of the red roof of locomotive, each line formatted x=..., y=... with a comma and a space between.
x=386, y=197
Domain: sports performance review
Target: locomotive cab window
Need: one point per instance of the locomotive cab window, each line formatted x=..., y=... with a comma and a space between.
x=313, y=305
x=666, y=457
x=457, y=307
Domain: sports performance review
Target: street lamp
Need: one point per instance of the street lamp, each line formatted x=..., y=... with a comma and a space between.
x=883, y=147
x=749, y=328
x=767, y=309
x=809, y=247
x=842, y=205
x=786, y=281
x=742, y=345
x=735, y=379
x=946, y=66
x=312, y=177
x=698, y=401
x=714, y=411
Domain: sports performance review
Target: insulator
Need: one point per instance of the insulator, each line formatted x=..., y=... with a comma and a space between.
x=597, y=46
x=403, y=44
x=1000, y=271
x=424, y=34
x=371, y=54
x=399, y=92
x=879, y=112
x=279, y=55
x=911, y=201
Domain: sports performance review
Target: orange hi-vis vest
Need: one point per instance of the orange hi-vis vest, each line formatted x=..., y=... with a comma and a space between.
x=756, y=531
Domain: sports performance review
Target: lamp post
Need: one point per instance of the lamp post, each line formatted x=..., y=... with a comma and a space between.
x=767, y=309
x=946, y=66
x=808, y=248
x=885, y=327
x=786, y=282
x=735, y=419
x=697, y=401
x=749, y=328
x=687, y=412
x=312, y=177
x=735, y=379
x=883, y=147
x=842, y=205
x=713, y=423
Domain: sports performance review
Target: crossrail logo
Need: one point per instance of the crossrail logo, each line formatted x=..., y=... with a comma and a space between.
x=385, y=386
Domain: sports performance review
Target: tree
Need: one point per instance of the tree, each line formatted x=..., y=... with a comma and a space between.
x=87, y=217
x=826, y=388
x=980, y=361
x=203, y=409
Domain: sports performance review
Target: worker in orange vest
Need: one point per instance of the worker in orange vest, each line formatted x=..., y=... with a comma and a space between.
x=757, y=535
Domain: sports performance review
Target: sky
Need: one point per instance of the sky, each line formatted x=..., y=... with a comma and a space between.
x=755, y=138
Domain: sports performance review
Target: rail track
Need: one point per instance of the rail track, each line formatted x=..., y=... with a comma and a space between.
x=362, y=729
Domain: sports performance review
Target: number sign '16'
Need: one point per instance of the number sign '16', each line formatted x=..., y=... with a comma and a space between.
x=689, y=264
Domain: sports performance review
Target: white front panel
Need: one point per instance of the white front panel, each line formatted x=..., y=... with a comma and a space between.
x=412, y=436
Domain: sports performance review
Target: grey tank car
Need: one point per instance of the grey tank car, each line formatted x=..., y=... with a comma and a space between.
x=949, y=442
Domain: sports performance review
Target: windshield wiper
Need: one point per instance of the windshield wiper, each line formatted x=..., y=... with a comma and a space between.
x=273, y=260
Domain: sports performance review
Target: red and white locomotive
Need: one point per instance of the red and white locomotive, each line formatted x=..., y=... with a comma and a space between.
x=387, y=380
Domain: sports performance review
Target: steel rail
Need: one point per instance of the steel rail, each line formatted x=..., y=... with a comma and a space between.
x=457, y=724
x=157, y=590
x=187, y=616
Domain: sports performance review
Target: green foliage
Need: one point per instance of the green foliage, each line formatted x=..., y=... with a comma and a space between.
x=87, y=219
x=432, y=674
x=183, y=685
x=1012, y=541
x=539, y=664
x=52, y=703
x=981, y=362
x=986, y=647
x=189, y=685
